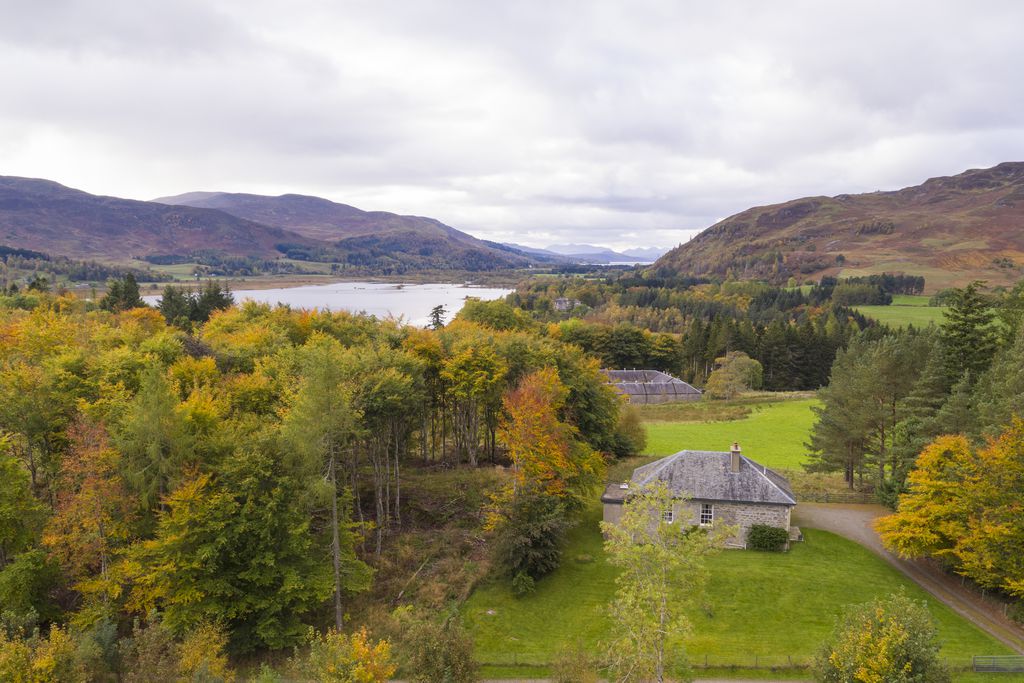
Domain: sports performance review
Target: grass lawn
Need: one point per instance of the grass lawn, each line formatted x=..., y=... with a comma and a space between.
x=772, y=606
x=773, y=434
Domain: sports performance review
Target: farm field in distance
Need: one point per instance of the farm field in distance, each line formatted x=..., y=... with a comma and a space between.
x=906, y=309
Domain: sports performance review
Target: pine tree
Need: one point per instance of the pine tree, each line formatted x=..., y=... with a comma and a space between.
x=968, y=333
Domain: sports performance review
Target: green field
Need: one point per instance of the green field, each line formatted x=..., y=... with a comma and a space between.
x=754, y=600
x=906, y=309
x=772, y=433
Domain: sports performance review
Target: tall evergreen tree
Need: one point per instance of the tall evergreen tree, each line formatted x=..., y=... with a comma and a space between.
x=968, y=333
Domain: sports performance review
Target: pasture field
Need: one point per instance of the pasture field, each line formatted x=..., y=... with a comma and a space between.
x=775, y=607
x=772, y=432
x=906, y=309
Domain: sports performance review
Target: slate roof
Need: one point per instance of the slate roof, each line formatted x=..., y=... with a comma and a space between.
x=644, y=382
x=706, y=475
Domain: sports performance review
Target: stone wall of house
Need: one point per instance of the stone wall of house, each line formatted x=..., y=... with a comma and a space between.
x=612, y=512
x=741, y=515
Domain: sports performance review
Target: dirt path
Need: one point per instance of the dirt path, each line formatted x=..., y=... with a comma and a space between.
x=855, y=523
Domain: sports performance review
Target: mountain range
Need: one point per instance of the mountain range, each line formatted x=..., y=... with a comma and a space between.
x=588, y=253
x=951, y=230
x=45, y=216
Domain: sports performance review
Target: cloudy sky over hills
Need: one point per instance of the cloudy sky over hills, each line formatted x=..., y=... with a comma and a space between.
x=628, y=123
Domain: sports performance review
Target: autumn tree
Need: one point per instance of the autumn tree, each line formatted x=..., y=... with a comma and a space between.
x=893, y=640
x=93, y=513
x=663, y=572
x=545, y=450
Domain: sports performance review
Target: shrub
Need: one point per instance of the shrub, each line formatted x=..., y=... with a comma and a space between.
x=573, y=665
x=766, y=537
x=436, y=651
x=893, y=639
x=345, y=658
x=202, y=658
x=523, y=584
x=148, y=654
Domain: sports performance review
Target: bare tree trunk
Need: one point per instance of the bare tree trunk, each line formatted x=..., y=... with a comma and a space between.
x=335, y=540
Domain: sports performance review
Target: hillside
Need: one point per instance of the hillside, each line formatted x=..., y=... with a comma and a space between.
x=45, y=216
x=951, y=230
x=363, y=234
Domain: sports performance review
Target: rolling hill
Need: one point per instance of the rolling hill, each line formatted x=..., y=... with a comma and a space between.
x=47, y=217
x=950, y=229
x=365, y=234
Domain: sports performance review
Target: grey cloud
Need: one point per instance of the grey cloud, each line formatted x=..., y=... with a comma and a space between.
x=536, y=122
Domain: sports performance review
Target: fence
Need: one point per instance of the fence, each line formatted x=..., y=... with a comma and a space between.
x=835, y=497
x=738, y=663
x=1001, y=664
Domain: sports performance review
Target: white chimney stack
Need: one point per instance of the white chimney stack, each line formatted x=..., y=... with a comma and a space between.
x=734, y=461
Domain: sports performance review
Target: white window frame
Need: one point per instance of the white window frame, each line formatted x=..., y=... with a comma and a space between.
x=668, y=515
x=707, y=514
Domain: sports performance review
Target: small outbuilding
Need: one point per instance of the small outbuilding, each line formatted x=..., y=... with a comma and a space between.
x=712, y=487
x=650, y=386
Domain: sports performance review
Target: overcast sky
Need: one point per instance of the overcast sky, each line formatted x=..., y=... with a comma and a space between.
x=627, y=123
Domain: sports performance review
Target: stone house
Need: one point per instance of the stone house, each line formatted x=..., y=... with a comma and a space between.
x=713, y=487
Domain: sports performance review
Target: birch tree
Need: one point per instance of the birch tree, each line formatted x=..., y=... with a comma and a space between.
x=663, y=572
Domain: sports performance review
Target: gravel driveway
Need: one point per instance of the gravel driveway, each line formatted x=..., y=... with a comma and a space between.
x=855, y=522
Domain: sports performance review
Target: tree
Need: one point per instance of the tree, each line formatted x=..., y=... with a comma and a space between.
x=122, y=295
x=969, y=335
x=20, y=513
x=154, y=440
x=933, y=515
x=93, y=514
x=319, y=427
x=530, y=528
x=663, y=572
x=892, y=640
x=736, y=372
x=174, y=306
x=437, y=314
x=544, y=450
x=238, y=551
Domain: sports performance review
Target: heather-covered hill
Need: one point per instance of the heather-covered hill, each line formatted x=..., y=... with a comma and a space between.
x=355, y=230
x=45, y=216
x=951, y=230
